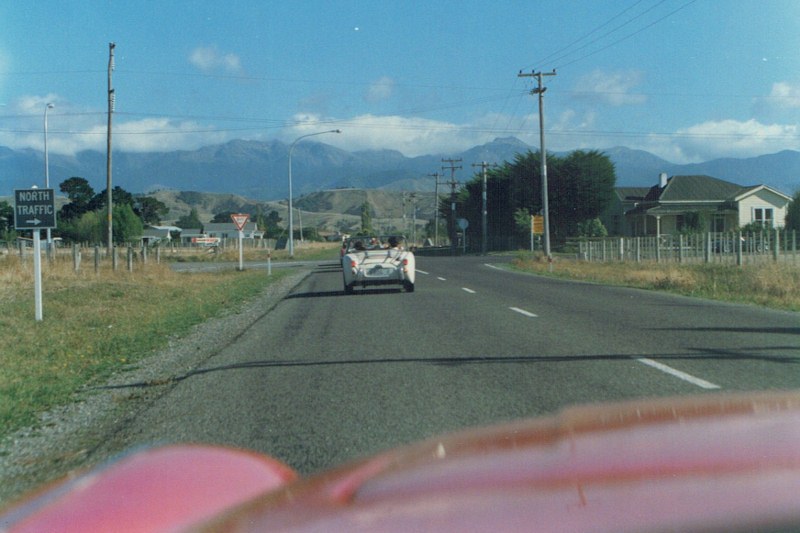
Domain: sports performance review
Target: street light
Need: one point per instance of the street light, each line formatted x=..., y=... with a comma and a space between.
x=291, y=148
x=47, y=166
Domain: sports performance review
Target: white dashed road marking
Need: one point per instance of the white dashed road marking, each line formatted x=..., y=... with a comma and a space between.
x=468, y=290
x=703, y=384
x=523, y=312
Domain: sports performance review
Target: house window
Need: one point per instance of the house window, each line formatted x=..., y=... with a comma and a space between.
x=718, y=224
x=763, y=216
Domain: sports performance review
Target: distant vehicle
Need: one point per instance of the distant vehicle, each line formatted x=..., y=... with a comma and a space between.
x=377, y=260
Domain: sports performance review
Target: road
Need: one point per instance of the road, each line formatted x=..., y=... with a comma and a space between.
x=325, y=378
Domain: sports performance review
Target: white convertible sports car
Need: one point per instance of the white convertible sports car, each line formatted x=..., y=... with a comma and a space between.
x=377, y=261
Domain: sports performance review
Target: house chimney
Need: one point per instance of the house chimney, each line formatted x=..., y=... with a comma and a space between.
x=662, y=180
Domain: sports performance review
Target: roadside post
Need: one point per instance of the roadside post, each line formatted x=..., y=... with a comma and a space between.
x=239, y=220
x=35, y=210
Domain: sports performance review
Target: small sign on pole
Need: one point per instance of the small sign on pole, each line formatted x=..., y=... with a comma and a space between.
x=537, y=224
x=239, y=220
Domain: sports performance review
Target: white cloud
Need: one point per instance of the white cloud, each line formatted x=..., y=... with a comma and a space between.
x=732, y=138
x=409, y=135
x=785, y=96
x=612, y=88
x=210, y=59
x=72, y=130
x=380, y=90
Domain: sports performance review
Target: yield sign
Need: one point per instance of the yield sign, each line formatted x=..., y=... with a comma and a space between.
x=240, y=219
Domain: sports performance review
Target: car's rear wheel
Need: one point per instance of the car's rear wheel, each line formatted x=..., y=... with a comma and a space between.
x=348, y=289
x=409, y=287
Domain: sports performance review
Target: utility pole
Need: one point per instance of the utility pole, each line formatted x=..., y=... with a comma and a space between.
x=109, y=199
x=545, y=208
x=453, y=183
x=484, y=211
x=436, y=175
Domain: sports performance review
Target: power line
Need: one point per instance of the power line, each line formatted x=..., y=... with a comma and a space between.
x=586, y=35
x=581, y=58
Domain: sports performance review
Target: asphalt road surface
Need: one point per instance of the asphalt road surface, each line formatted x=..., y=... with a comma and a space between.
x=325, y=377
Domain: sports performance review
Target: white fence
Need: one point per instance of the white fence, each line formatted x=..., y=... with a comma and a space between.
x=731, y=248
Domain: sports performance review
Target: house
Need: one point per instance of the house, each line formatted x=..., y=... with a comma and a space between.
x=227, y=230
x=155, y=234
x=624, y=199
x=702, y=203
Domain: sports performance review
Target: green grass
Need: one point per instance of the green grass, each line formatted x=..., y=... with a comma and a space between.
x=770, y=284
x=96, y=324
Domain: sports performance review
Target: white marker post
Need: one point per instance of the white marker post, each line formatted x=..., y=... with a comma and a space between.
x=239, y=220
x=37, y=274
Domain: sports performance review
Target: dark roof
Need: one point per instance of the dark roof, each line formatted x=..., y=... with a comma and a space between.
x=698, y=189
x=631, y=193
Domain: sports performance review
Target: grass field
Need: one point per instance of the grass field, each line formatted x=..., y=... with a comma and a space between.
x=771, y=285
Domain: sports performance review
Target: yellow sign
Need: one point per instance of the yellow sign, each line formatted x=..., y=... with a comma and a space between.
x=537, y=224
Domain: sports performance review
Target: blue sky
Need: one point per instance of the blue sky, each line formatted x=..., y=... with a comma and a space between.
x=689, y=80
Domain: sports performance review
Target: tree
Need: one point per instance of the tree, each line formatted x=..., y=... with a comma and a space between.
x=6, y=219
x=366, y=219
x=127, y=225
x=270, y=224
x=223, y=217
x=151, y=210
x=580, y=186
x=793, y=213
x=192, y=220
x=80, y=195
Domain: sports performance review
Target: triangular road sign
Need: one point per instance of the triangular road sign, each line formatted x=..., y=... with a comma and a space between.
x=240, y=219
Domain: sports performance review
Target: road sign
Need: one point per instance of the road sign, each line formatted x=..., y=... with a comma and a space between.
x=537, y=225
x=240, y=219
x=34, y=209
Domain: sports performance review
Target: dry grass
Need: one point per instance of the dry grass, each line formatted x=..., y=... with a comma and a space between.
x=770, y=284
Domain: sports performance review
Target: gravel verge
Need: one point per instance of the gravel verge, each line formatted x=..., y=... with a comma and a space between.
x=68, y=439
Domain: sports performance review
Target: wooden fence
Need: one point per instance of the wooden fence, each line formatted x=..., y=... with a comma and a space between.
x=729, y=248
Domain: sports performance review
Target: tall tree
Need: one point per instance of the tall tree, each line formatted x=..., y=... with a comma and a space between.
x=580, y=185
x=192, y=220
x=80, y=195
x=151, y=210
x=127, y=226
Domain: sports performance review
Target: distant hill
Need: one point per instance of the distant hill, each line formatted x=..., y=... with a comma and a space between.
x=332, y=210
x=259, y=170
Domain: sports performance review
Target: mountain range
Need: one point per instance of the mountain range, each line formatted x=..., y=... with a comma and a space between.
x=259, y=170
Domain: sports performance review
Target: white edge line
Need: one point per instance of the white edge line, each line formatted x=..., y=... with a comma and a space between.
x=468, y=290
x=703, y=384
x=523, y=312
x=492, y=266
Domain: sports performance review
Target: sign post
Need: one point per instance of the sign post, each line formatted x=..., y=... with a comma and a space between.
x=239, y=220
x=35, y=210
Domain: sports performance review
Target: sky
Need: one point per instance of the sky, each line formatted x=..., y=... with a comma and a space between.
x=688, y=80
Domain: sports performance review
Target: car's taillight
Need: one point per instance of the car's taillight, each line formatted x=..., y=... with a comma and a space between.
x=405, y=262
x=353, y=263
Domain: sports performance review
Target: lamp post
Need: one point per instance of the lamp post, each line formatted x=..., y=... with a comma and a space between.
x=291, y=148
x=48, y=107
